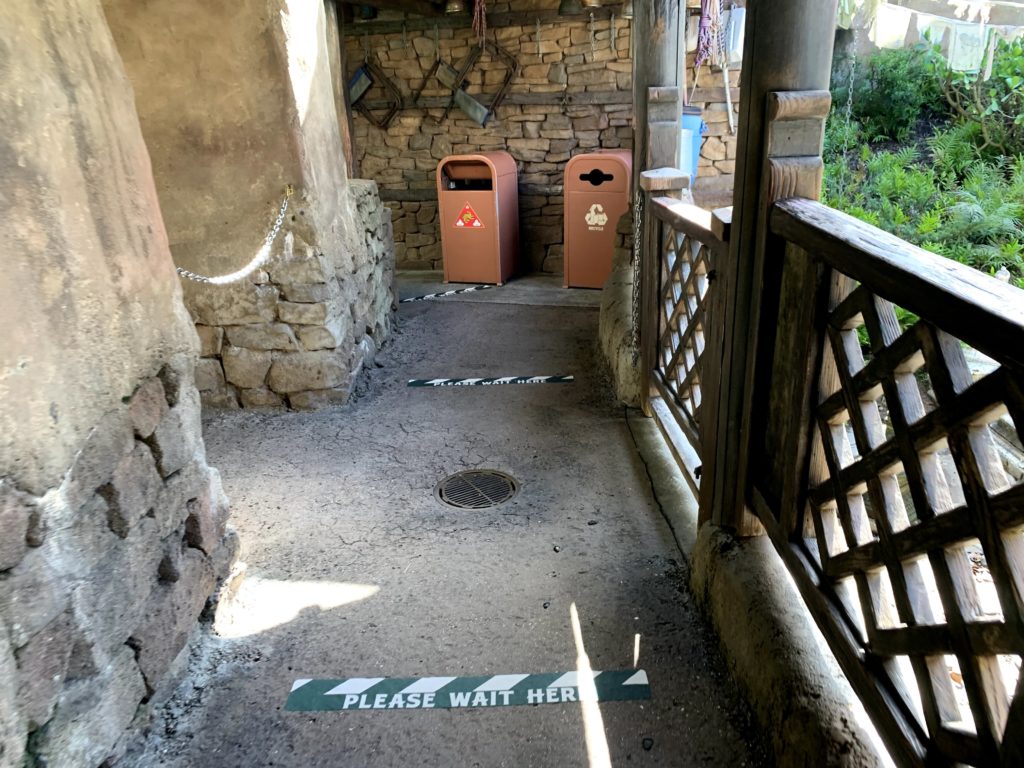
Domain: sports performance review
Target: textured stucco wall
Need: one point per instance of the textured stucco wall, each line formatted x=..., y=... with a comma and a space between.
x=112, y=526
x=88, y=296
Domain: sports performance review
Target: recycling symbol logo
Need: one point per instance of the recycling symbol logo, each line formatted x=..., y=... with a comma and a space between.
x=596, y=217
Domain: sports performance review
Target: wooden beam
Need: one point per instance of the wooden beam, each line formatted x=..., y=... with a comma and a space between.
x=494, y=21
x=418, y=7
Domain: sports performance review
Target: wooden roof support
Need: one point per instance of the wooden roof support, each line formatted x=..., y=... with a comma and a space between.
x=417, y=7
x=788, y=47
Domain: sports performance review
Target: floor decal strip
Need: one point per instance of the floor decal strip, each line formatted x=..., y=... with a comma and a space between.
x=441, y=295
x=484, y=382
x=457, y=692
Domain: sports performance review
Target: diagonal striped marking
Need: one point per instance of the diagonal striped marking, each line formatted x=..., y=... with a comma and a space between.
x=640, y=678
x=569, y=680
x=299, y=683
x=501, y=683
x=428, y=685
x=354, y=685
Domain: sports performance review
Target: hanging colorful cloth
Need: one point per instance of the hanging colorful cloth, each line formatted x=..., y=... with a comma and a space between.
x=710, y=23
x=480, y=20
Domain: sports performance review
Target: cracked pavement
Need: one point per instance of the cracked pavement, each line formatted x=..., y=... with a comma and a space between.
x=354, y=569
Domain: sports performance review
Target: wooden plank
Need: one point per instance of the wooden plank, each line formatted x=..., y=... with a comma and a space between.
x=693, y=221
x=679, y=445
x=464, y=20
x=935, y=640
x=980, y=310
x=417, y=7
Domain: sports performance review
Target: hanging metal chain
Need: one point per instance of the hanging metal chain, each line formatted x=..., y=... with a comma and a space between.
x=258, y=260
x=638, y=219
x=849, y=118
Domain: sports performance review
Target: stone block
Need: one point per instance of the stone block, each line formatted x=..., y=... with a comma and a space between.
x=42, y=665
x=210, y=339
x=16, y=509
x=246, y=368
x=300, y=264
x=309, y=294
x=330, y=335
x=92, y=714
x=205, y=523
x=12, y=727
x=419, y=141
x=132, y=489
x=109, y=604
x=32, y=594
x=315, y=399
x=110, y=440
x=175, y=441
x=262, y=336
x=75, y=548
x=260, y=398
x=299, y=371
x=713, y=149
x=225, y=398
x=148, y=406
x=171, y=508
x=171, y=614
x=231, y=304
x=209, y=375
x=304, y=314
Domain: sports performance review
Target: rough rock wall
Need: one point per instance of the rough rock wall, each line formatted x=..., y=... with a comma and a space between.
x=596, y=81
x=112, y=526
x=615, y=332
x=236, y=102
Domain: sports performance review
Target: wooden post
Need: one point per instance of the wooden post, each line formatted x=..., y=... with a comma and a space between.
x=787, y=47
x=656, y=62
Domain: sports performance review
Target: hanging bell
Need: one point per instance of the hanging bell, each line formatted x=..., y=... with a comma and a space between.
x=454, y=6
x=627, y=9
x=570, y=8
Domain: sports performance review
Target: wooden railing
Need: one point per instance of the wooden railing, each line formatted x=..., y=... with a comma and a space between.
x=887, y=475
x=680, y=262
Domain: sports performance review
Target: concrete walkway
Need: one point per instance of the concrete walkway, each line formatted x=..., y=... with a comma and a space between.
x=354, y=569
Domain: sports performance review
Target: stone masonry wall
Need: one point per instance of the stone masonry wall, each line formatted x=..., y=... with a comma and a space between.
x=112, y=526
x=540, y=136
x=236, y=102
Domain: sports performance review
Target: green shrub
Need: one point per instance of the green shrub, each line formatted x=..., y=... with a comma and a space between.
x=892, y=91
x=993, y=106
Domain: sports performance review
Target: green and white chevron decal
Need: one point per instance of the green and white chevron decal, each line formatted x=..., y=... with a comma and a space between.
x=357, y=693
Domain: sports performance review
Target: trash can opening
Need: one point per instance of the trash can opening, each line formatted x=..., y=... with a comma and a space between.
x=467, y=176
x=596, y=177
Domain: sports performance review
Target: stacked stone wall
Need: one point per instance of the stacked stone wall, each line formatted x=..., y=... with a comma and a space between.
x=588, y=89
x=237, y=101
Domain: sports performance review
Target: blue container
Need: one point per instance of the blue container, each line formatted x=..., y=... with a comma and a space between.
x=691, y=133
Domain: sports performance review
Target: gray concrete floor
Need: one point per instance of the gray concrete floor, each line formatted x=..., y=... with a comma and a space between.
x=355, y=570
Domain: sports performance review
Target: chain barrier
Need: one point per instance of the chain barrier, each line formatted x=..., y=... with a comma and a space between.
x=258, y=260
x=638, y=219
x=849, y=118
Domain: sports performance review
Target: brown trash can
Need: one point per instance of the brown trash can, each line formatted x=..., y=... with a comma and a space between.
x=478, y=205
x=597, y=187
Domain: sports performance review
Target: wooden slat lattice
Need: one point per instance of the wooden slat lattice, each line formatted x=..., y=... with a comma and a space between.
x=911, y=518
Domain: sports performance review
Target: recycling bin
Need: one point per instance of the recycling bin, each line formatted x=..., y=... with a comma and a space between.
x=597, y=187
x=478, y=205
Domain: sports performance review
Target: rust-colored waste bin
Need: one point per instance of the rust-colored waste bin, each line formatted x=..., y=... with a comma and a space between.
x=478, y=204
x=596, y=191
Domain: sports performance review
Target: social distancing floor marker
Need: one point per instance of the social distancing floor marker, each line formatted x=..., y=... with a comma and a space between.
x=356, y=693
x=441, y=295
x=490, y=381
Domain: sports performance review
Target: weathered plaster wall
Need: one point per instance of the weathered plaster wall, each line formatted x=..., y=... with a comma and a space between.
x=112, y=526
x=236, y=102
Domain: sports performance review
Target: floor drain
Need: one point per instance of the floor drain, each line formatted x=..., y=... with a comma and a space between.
x=476, y=489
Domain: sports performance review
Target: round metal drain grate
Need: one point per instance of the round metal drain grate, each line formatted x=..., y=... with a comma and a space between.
x=476, y=489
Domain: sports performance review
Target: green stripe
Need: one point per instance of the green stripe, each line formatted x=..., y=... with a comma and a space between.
x=460, y=692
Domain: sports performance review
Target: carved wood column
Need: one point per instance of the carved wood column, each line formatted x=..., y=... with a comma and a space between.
x=787, y=48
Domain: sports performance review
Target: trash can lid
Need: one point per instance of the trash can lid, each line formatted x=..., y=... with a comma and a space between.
x=481, y=165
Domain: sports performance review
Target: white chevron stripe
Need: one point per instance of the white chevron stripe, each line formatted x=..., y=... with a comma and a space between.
x=354, y=685
x=640, y=678
x=569, y=680
x=501, y=683
x=299, y=683
x=427, y=685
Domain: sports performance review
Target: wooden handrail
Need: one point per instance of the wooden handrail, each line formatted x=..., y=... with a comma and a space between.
x=979, y=310
x=689, y=219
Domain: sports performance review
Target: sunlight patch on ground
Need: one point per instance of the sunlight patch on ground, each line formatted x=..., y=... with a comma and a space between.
x=262, y=604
